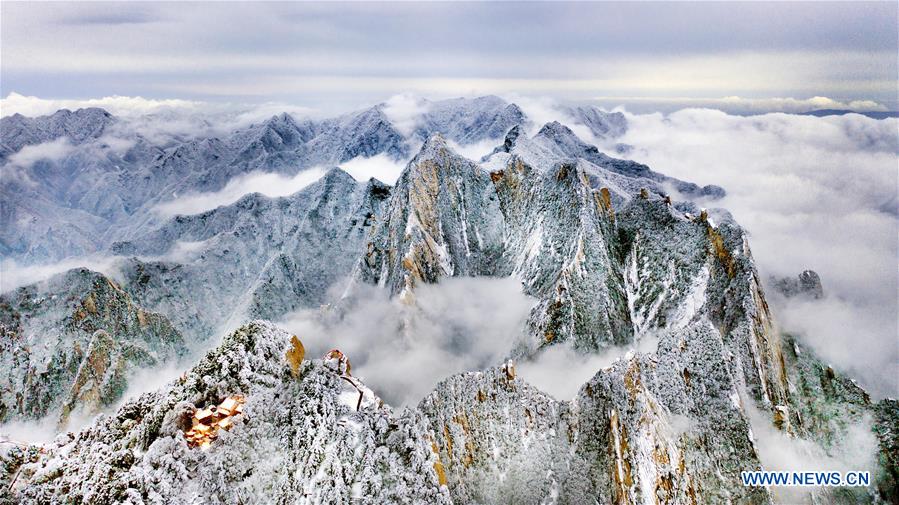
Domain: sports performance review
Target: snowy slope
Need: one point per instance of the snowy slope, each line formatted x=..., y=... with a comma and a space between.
x=102, y=180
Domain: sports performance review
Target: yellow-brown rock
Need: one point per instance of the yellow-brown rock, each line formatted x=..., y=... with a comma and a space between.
x=295, y=355
x=207, y=422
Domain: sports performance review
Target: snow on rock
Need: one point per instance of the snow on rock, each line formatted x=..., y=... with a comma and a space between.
x=289, y=444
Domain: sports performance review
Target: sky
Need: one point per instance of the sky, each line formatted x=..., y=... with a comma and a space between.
x=742, y=57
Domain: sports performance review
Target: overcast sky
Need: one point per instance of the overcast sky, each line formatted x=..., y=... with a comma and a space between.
x=344, y=55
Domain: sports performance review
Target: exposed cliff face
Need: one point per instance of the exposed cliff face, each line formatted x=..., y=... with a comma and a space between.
x=826, y=406
x=70, y=343
x=442, y=220
x=604, y=275
x=666, y=427
x=560, y=242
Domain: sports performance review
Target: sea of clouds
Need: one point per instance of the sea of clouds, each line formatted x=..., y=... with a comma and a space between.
x=818, y=193
x=813, y=193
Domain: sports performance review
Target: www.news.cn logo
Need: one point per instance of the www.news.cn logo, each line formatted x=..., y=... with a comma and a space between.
x=817, y=479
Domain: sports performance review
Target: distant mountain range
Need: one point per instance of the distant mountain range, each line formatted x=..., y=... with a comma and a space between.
x=614, y=254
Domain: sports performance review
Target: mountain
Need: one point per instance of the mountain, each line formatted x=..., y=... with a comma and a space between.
x=260, y=256
x=310, y=431
x=619, y=260
x=556, y=141
x=77, y=127
x=602, y=124
x=806, y=285
x=468, y=121
x=70, y=344
x=104, y=187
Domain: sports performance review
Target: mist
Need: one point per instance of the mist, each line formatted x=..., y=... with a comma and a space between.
x=402, y=350
x=813, y=193
x=561, y=371
x=265, y=183
x=779, y=451
x=380, y=166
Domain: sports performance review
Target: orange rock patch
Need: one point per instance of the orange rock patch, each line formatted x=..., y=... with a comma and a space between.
x=207, y=422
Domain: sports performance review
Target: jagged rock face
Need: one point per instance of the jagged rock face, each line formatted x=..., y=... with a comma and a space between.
x=886, y=427
x=824, y=404
x=604, y=275
x=259, y=257
x=297, y=441
x=560, y=243
x=69, y=344
x=555, y=141
x=807, y=285
x=449, y=217
x=621, y=440
x=442, y=220
x=667, y=427
x=498, y=439
x=481, y=437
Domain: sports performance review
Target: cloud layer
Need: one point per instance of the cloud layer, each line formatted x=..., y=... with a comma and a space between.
x=52, y=151
x=126, y=106
x=401, y=351
x=780, y=452
x=561, y=371
x=322, y=53
x=740, y=105
x=380, y=166
x=266, y=183
x=814, y=193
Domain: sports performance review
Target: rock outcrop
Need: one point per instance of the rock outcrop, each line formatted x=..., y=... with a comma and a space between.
x=807, y=285
x=70, y=344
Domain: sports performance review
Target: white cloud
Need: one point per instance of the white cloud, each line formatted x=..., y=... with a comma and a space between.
x=40, y=431
x=848, y=334
x=13, y=275
x=380, y=166
x=54, y=150
x=561, y=371
x=814, y=193
x=248, y=114
x=182, y=251
x=542, y=110
x=267, y=183
x=405, y=112
x=401, y=351
x=777, y=451
x=476, y=150
x=32, y=106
